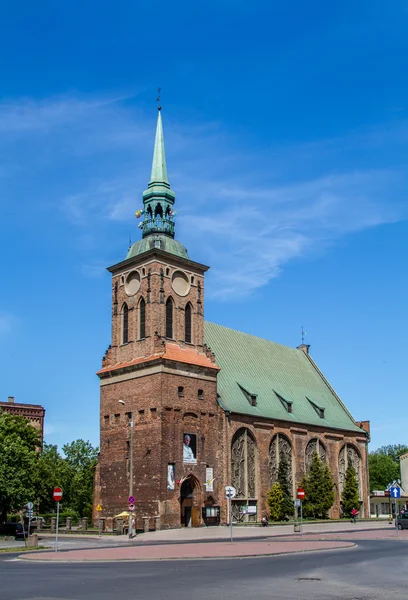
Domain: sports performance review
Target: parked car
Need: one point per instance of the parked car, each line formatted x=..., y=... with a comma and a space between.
x=15, y=529
x=402, y=520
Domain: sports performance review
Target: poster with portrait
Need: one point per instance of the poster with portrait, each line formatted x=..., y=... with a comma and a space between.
x=170, y=477
x=189, y=448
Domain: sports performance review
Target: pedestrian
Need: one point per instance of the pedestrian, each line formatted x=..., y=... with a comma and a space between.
x=354, y=514
x=264, y=522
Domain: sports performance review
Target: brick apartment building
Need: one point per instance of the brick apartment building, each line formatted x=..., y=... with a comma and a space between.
x=202, y=405
x=34, y=413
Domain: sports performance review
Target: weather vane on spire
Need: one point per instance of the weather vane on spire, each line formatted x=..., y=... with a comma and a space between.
x=158, y=99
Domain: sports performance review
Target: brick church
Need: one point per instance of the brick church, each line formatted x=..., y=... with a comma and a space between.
x=188, y=406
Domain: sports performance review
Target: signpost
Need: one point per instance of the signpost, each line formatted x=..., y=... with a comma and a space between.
x=99, y=509
x=230, y=493
x=301, y=496
x=57, y=495
x=395, y=492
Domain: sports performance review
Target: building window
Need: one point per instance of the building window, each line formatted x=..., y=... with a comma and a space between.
x=167, y=271
x=169, y=318
x=200, y=394
x=142, y=319
x=180, y=391
x=125, y=324
x=117, y=418
x=187, y=323
x=319, y=409
x=106, y=419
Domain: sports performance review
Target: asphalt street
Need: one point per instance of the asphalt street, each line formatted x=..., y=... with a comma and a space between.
x=374, y=570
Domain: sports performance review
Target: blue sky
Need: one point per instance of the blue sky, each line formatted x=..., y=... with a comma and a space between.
x=286, y=131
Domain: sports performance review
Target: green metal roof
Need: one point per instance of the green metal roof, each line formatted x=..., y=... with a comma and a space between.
x=167, y=244
x=258, y=367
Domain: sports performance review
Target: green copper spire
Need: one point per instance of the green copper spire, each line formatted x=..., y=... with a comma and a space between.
x=158, y=199
x=159, y=169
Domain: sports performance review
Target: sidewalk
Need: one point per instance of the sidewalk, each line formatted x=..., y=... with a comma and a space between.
x=209, y=550
x=247, y=532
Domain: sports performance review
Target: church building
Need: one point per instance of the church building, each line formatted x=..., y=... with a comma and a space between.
x=188, y=407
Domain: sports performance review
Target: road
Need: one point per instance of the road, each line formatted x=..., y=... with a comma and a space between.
x=374, y=570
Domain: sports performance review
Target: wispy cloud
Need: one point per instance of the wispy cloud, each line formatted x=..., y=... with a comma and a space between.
x=252, y=210
x=8, y=322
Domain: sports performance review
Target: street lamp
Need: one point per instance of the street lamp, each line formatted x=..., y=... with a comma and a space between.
x=130, y=465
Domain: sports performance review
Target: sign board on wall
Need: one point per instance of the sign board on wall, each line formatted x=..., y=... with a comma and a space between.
x=209, y=479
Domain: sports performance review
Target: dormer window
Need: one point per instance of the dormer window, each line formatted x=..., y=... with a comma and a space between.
x=250, y=396
x=318, y=409
x=287, y=404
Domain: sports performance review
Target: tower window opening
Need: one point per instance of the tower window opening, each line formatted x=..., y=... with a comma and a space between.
x=187, y=323
x=125, y=324
x=180, y=391
x=169, y=318
x=168, y=271
x=200, y=394
x=142, y=319
x=143, y=271
x=158, y=211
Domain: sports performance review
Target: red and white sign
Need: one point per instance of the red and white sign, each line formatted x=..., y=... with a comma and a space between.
x=131, y=507
x=300, y=493
x=57, y=494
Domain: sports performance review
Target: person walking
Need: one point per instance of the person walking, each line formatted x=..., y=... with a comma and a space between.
x=354, y=514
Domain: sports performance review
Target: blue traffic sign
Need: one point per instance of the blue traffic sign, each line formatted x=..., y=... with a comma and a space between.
x=395, y=492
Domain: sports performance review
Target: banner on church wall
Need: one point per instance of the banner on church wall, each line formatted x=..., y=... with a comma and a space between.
x=189, y=448
x=170, y=477
x=209, y=479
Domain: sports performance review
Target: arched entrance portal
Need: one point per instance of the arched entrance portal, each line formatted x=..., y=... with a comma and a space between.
x=190, y=511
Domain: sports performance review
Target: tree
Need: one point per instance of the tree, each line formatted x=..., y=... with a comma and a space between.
x=349, y=497
x=394, y=451
x=319, y=489
x=81, y=458
x=287, y=508
x=19, y=444
x=383, y=470
x=275, y=500
x=53, y=471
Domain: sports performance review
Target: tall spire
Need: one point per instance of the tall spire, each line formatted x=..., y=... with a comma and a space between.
x=159, y=169
x=158, y=199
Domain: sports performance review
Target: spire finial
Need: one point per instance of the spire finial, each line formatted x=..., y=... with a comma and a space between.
x=158, y=99
x=303, y=335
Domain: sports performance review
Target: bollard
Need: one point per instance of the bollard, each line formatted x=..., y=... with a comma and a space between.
x=157, y=523
x=119, y=526
x=146, y=524
x=53, y=524
x=39, y=524
x=68, y=524
x=84, y=524
x=33, y=540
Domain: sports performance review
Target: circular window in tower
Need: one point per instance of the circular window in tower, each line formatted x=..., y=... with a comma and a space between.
x=180, y=283
x=132, y=284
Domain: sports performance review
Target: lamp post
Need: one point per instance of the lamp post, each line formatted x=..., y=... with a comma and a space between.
x=130, y=528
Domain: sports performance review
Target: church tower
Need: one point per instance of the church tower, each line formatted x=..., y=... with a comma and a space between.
x=161, y=426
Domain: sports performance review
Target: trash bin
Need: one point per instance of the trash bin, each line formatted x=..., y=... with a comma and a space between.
x=296, y=528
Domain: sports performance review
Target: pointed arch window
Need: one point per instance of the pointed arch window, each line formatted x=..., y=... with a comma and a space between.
x=169, y=318
x=188, y=314
x=125, y=324
x=142, y=319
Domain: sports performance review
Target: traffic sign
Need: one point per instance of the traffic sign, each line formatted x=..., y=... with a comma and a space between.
x=297, y=503
x=131, y=507
x=131, y=499
x=29, y=514
x=57, y=494
x=30, y=505
x=230, y=491
x=300, y=493
x=99, y=507
x=395, y=492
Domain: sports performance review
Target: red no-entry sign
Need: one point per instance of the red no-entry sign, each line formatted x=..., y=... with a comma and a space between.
x=57, y=494
x=300, y=493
